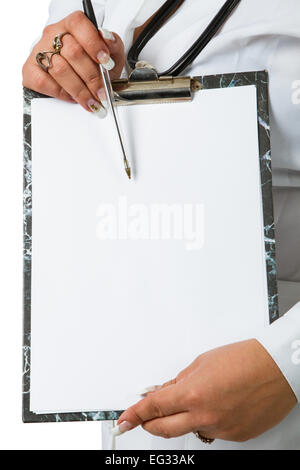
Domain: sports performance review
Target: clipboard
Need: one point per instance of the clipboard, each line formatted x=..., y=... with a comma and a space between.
x=259, y=80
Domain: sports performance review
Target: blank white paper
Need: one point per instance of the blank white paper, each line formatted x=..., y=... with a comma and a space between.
x=131, y=280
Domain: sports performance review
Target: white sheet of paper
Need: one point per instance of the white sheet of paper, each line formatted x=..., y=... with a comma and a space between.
x=121, y=298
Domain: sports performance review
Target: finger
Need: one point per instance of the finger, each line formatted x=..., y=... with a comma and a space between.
x=187, y=371
x=65, y=76
x=177, y=425
x=82, y=64
x=38, y=80
x=116, y=49
x=181, y=376
x=170, y=382
x=89, y=38
x=171, y=426
x=164, y=402
x=154, y=388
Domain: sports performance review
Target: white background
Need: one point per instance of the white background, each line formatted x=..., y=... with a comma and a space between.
x=21, y=22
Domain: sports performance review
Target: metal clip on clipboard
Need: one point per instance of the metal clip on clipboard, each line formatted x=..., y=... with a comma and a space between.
x=145, y=86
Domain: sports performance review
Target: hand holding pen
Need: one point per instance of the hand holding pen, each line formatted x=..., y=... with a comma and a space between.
x=73, y=73
x=90, y=14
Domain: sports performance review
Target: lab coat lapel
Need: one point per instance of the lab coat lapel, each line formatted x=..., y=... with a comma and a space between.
x=123, y=16
x=120, y=15
x=122, y=12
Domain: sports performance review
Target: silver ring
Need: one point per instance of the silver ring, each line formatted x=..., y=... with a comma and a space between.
x=47, y=56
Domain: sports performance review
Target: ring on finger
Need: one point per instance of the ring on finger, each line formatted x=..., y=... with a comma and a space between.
x=203, y=439
x=47, y=56
x=57, y=43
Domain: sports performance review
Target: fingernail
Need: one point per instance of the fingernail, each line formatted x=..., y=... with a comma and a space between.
x=107, y=34
x=102, y=97
x=105, y=60
x=122, y=428
x=97, y=109
x=152, y=388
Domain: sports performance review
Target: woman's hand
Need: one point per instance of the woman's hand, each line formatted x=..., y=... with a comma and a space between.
x=234, y=393
x=74, y=75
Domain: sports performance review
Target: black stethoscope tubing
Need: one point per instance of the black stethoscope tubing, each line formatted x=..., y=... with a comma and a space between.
x=190, y=55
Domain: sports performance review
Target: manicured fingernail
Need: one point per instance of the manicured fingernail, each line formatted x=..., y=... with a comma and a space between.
x=97, y=109
x=122, y=428
x=152, y=388
x=102, y=97
x=105, y=60
x=107, y=34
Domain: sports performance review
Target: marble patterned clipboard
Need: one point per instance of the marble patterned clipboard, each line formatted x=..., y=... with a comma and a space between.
x=260, y=80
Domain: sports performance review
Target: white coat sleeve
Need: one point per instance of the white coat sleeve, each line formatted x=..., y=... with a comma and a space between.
x=282, y=341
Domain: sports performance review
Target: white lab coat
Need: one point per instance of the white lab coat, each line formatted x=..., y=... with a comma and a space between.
x=261, y=34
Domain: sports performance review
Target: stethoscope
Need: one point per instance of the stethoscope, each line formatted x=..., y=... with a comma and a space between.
x=145, y=84
x=190, y=55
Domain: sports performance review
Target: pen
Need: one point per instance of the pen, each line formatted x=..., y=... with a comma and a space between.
x=90, y=14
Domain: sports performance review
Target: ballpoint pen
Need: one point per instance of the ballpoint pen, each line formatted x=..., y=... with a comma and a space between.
x=90, y=14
